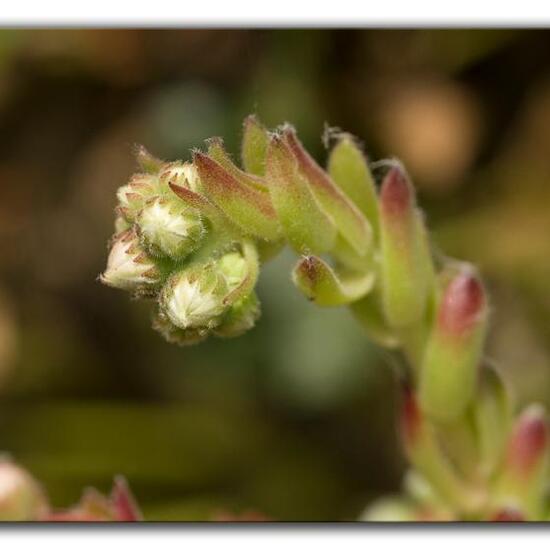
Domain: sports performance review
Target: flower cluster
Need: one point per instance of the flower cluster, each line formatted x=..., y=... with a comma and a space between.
x=175, y=245
x=193, y=235
x=22, y=498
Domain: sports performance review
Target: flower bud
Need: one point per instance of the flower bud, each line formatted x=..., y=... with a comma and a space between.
x=21, y=498
x=403, y=281
x=169, y=227
x=181, y=174
x=128, y=266
x=121, y=225
x=450, y=365
x=133, y=195
x=193, y=298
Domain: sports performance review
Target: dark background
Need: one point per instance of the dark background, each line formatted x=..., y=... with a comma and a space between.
x=294, y=419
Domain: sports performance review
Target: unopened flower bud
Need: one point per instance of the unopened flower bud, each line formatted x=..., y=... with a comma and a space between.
x=169, y=227
x=133, y=196
x=121, y=225
x=181, y=174
x=193, y=298
x=450, y=365
x=128, y=266
x=21, y=498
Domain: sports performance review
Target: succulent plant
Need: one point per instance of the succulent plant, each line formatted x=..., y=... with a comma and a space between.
x=194, y=235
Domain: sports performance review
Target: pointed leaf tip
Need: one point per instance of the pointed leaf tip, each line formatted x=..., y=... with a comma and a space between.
x=347, y=217
x=396, y=194
x=306, y=226
x=249, y=208
x=254, y=146
x=348, y=168
x=320, y=283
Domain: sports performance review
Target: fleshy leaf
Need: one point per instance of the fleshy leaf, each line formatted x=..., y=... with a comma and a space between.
x=346, y=216
x=217, y=152
x=348, y=168
x=453, y=352
x=249, y=208
x=319, y=282
x=248, y=282
x=307, y=228
x=146, y=161
x=403, y=270
x=254, y=146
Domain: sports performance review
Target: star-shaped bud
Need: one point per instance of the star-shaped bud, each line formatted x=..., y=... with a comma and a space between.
x=169, y=227
x=181, y=174
x=133, y=196
x=128, y=266
x=193, y=298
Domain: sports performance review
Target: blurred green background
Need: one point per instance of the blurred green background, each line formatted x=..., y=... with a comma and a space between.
x=295, y=419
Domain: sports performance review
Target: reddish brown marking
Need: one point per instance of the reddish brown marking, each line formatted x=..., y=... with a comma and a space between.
x=528, y=442
x=396, y=193
x=223, y=185
x=411, y=417
x=462, y=303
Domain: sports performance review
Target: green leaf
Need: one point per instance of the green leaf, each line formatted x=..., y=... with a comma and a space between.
x=307, y=228
x=347, y=217
x=319, y=282
x=254, y=146
x=249, y=208
x=449, y=370
x=217, y=151
x=403, y=263
x=348, y=168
